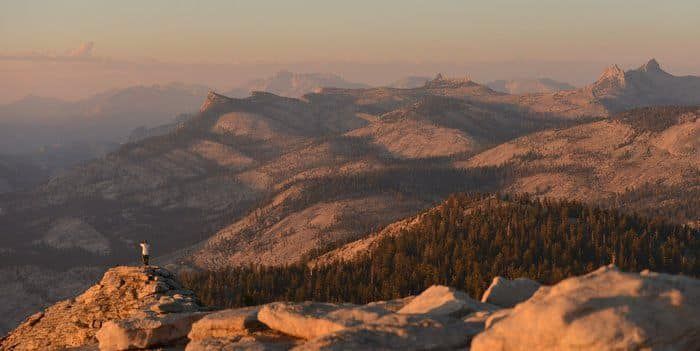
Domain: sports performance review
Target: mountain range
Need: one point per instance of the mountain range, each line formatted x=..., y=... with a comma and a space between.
x=60, y=133
x=524, y=86
x=648, y=85
x=268, y=179
x=409, y=82
x=285, y=83
x=56, y=134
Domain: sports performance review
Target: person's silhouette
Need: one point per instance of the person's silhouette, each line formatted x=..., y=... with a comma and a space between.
x=145, y=247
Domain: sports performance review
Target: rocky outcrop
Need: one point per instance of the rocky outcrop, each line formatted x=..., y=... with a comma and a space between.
x=326, y=326
x=507, y=293
x=603, y=310
x=136, y=294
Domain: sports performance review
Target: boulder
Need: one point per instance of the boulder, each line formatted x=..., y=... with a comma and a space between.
x=398, y=332
x=227, y=323
x=148, y=332
x=507, y=293
x=309, y=320
x=603, y=310
x=439, y=300
x=267, y=340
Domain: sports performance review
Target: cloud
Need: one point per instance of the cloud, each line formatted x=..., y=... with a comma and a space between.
x=81, y=53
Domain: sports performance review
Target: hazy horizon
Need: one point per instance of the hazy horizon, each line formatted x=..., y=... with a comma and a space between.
x=73, y=49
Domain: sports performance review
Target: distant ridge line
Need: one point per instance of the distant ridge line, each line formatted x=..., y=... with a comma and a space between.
x=213, y=98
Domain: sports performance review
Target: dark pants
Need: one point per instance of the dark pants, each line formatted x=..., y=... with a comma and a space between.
x=145, y=260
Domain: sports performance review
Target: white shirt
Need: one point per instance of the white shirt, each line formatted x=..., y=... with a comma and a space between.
x=144, y=249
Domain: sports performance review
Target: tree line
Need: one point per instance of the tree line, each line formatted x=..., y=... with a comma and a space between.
x=464, y=242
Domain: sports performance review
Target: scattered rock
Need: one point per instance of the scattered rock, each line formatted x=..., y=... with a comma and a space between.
x=508, y=293
x=603, y=310
x=309, y=320
x=440, y=300
x=148, y=332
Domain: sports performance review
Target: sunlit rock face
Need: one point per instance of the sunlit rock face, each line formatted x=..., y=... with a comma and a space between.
x=603, y=310
x=143, y=293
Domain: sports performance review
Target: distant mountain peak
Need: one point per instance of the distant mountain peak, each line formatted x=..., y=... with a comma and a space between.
x=613, y=72
x=213, y=99
x=651, y=66
x=612, y=79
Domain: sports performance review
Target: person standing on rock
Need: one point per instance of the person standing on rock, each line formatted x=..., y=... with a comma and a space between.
x=145, y=247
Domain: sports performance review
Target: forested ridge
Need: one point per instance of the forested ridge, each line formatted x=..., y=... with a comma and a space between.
x=464, y=243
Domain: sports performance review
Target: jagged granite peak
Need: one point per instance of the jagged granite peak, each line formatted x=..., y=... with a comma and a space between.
x=651, y=66
x=612, y=79
x=212, y=99
x=647, y=85
x=613, y=73
x=123, y=292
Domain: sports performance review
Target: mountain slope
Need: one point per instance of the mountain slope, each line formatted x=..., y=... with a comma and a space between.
x=601, y=160
x=269, y=179
x=19, y=173
x=437, y=126
x=272, y=165
x=265, y=152
x=463, y=242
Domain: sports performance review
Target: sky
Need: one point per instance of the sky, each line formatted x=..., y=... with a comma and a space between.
x=70, y=48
